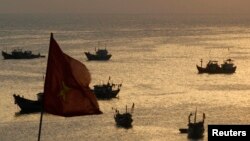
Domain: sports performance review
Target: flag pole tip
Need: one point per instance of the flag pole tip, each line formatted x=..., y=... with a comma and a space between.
x=51, y=34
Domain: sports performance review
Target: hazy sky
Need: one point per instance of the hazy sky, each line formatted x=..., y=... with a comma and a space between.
x=125, y=6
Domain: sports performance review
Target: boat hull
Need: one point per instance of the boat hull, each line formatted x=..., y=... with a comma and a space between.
x=97, y=57
x=26, y=105
x=106, y=94
x=183, y=130
x=10, y=56
x=216, y=71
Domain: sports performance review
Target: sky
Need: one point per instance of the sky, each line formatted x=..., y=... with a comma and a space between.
x=126, y=6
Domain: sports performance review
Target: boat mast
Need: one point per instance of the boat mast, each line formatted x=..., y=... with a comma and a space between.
x=195, y=115
x=132, y=109
x=204, y=116
x=189, y=121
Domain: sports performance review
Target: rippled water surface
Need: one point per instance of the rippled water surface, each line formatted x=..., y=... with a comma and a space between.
x=154, y=57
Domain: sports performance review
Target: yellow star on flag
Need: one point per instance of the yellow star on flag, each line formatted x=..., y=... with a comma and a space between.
x=64, y=90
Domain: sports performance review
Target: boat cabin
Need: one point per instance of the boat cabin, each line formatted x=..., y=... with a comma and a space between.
x=102, y=52
x=213, y=64
x=227, y=64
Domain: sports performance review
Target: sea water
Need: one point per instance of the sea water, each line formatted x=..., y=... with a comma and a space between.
x=153, y=56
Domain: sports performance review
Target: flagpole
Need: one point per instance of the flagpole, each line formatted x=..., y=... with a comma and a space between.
x=40, y=125
x=42, y=109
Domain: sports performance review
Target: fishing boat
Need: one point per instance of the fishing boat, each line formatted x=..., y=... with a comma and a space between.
x=213, y=67
x=100, y=54
x=195, y=129
x=107, y=91
x=125, y=119
x=27, y=105
x=20, y=54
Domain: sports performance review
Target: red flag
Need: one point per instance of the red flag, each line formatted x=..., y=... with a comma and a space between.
x=66, y=89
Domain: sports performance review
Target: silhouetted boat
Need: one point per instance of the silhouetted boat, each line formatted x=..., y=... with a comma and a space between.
x=195, y=129
x=19, y=54
x=213, y=67
x=107, y=91
x=124, y=120
x=28, y=106
x=100, y=54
